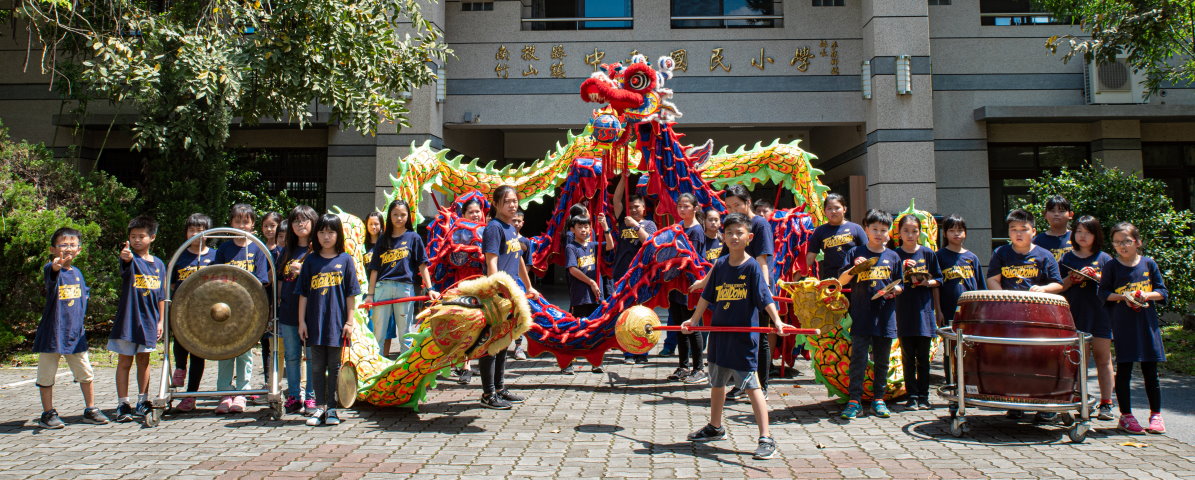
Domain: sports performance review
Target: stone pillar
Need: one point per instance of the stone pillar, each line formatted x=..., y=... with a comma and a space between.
x=900, y=138
x=1117, y=143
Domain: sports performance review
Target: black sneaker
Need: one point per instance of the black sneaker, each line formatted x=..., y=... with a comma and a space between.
x=597, y=369
x=766, y=448
x=495, y=402
x=568, y=370
x=94, y=416
x=708, y=433
x=640, y=360
x=465, y=376
x=510, y=397
x=679, y=373
x=124, y=413
x=697, y=376
x=735, y=394
x=1045, y=417
x=142, y=409
x=49, y=419
x=924, y=404
x=912, y=404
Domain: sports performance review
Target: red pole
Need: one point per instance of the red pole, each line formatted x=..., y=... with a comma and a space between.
x=368, y=305
x=706, y=328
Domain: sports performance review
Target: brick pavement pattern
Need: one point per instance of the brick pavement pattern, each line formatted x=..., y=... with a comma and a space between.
x=628, y=423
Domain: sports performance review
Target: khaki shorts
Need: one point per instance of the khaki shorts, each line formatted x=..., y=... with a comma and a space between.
x=47, y=367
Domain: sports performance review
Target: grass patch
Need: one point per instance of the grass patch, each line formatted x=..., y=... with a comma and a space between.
x=98, y=354
x=1180, y=349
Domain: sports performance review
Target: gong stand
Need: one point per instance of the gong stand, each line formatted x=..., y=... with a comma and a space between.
x=222, y=312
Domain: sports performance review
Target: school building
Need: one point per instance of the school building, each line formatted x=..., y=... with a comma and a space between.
x=952, y=102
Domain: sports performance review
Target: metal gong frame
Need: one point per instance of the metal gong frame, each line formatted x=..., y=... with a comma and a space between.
x=166, y=393
x=956, y=394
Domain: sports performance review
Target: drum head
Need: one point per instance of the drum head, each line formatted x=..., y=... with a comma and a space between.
x=1013, y=296
x=219, y=312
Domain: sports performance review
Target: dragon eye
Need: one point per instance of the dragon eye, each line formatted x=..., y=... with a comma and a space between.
x=638, y=81
x=464, y=301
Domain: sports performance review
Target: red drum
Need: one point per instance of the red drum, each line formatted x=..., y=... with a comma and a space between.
x=1018, y=373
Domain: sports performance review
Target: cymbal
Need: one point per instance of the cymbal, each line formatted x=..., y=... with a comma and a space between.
x=219, y=312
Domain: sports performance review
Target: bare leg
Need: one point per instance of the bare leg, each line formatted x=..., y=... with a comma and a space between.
x=1103, y=366
x=88, y=394
x=124, y=363
x=143, y=373
x=717, y=401
x=759, y=406
x=47, y=398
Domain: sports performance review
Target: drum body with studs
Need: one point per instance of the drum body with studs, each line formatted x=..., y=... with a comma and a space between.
x=219, y=312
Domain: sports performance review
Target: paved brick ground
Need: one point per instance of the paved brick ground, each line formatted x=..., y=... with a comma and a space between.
x=629, y=423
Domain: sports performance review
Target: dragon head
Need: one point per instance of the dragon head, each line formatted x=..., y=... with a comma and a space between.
x=477, y=317
x=635, y=90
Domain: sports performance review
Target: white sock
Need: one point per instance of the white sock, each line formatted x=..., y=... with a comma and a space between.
x=122, y=401
x=141, y=397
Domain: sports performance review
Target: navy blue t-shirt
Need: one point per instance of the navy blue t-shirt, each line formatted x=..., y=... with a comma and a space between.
x=249, y=257
x=526, y=242
x=696, y=236
x=1057, y=246
x=712, y=249
x=915, y=306
x=1135, y=334
x=288, y=296
x=1019, y=272
x=141, y=288
x=501, y=239
x=762, y=244
x=61, y=327
x=628, y=244
x=834, y=241
x=1087, y=308
x=327, y=283
x=961, y=272
x=398, y=259
x=736, y=295
x=583, y=257
x=875, y=318
x=189, y=263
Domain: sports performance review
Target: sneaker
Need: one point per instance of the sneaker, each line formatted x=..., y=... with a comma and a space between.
x=293, y=405
x=880, y=409
x=186, y=405
x=912, y=404
x=766, y=449
x=142, y=409
x=224, y=406
x=666, y=353
x=679, y=373
x=851, y=411
x=1128, y=424
x=520, y=354
x=1156, y=425
x=698, y=376
x=1014, y=414
x=331, y=418
x=510, y=397
x=94, y=416
x=1045, y=417
x=309, y=407
x=176, y=380
x=495, y=402
x=597, y=369
x=238, y=404
x=924, y=404
x=1105, y=412
x=465, y=376
x=568, y=370
x=708, y=433
x=640, y=360
x=628, y=360
x=49, y=419
x=317, y=418
x=124, y=413
x=735, y=394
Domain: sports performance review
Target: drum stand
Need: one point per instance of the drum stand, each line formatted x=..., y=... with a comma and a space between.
x=955, y=341
x=166, y=393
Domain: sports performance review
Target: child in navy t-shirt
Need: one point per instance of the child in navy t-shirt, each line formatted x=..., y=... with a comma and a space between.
x=961, y=272
x=584, y=287
x=834, y=238
x=196, y=256
x=916, y=320
x=1023, y=265
x=399, y=261
x=60, y=333
x=139, y=317
x=243, y=253
x=735, y=292
x=1057, y=240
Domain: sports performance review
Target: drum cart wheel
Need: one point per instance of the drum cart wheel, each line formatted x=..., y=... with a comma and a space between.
x=154, y=417
x=276, y=410
x=958, y=426
x=1078, y=432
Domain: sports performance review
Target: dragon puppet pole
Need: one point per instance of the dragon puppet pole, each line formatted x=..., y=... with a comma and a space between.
x=421, y=298
x=703, y=328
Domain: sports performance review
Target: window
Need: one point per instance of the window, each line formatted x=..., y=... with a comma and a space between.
x=572, y=14
x=477, y=6
x=939, y=2
x=727, y=14
x=1015, y=12
x=1010, y=166
x=832, y=3
x=1173, y=163
x=301, y=172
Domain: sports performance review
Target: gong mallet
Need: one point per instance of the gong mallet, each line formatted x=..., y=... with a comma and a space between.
x=420, y=298
x=709, y=328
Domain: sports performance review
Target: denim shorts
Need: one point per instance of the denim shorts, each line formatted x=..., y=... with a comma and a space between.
x=127, y=348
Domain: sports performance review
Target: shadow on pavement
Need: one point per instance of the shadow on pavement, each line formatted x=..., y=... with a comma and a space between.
x=700, y=450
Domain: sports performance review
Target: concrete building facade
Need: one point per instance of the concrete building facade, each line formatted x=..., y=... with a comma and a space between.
x=953, y=103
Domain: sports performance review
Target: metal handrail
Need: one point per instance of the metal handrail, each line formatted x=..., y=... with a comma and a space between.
x=578, y=19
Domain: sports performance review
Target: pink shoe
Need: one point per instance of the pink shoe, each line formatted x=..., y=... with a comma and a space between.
x=238, y=404
x=225, y=405
x=186, y=405
x=1129, y=425
x=176, y=380
x=309, y=407
x=1156, y=425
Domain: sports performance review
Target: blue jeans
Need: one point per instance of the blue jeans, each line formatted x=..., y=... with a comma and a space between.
x=394, y=320
x=293, y=358
x=880, y=349
x=241, y=367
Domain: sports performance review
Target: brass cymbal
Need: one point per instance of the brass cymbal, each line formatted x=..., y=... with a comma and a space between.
x=219, y=312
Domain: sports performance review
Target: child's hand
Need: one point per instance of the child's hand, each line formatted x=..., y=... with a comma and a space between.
x=532, y=292
x=435, y=296
x=630, y=222
x=160, y=325
x=909, y=264
x=597, y=291
x=941, y=319
x=782, y=328
x=699, y=286
x=1037, y=288
x=602, y=222
x=892, y=294
x=303, y=331
x=57, y=263
x=684, y=326
x=126, y=255
x=347, y=332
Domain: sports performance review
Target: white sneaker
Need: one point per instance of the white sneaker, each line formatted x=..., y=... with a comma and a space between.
x=316, y=419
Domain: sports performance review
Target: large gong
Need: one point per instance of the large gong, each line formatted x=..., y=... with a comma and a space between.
x=219, y=312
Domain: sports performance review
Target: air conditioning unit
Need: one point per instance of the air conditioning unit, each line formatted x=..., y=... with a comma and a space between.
x=1113, y=82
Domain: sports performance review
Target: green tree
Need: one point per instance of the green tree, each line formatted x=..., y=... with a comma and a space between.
x=1113, y=196
x=1158, y=36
